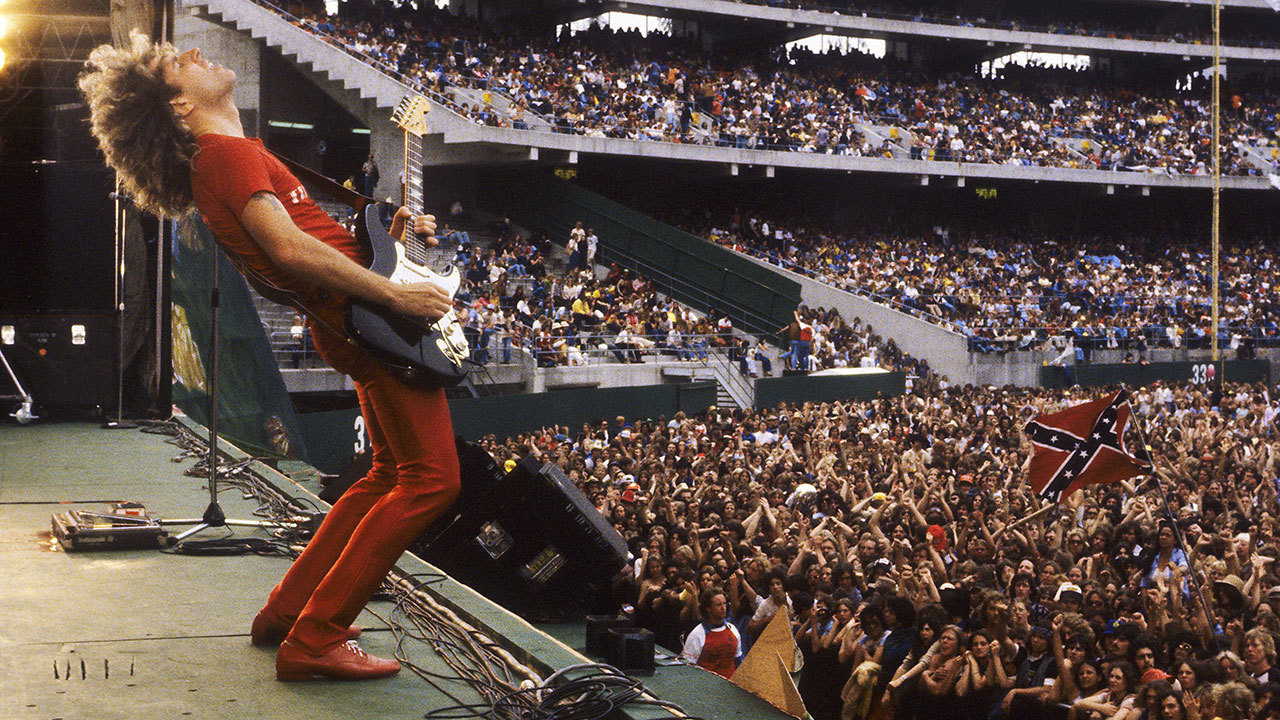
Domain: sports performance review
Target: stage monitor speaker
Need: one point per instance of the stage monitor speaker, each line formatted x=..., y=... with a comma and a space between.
x=533, y=544
x=480, y=475
x=597, y=628
x=630, y=650
x=63, y=361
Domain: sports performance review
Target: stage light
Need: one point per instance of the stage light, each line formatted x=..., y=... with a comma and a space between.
x=2, y=59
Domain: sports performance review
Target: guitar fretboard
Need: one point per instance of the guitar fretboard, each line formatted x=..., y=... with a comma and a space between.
x=415, y=248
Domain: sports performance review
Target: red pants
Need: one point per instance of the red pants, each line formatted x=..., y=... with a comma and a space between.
x=413, y=480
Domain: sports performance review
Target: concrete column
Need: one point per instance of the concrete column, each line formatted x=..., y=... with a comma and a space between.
x=386, y=142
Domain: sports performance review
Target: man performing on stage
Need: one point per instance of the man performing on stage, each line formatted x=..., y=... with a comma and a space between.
x=168, y=125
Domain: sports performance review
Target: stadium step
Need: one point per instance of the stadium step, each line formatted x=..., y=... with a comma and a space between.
x=723, y=398
x=732, y=390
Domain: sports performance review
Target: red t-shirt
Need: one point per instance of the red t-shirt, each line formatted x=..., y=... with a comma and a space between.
x=225, y=174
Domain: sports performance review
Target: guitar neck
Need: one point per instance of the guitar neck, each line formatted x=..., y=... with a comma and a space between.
x=415, y=247
x=412, y=173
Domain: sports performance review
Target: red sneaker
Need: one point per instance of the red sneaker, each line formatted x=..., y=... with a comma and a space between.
x=267, y=630
x=344, y=662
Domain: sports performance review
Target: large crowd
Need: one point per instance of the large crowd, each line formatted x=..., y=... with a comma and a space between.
x=888, y=533
x=897, y=537
x=623, y=85
x=572, y=311
x=1020, y=291
x=565, y=312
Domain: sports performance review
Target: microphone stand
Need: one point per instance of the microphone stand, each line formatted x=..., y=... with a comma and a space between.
x=123, y=203
x=213, y=516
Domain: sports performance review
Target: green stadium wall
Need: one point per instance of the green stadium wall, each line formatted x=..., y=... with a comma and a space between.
x=334, y=436
x=1139, y=375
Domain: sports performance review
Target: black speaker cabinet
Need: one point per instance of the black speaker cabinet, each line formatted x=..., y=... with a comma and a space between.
x=62, y=361
x=480, y=475
x=630, y=650
x=533, y=544
x=597, y=629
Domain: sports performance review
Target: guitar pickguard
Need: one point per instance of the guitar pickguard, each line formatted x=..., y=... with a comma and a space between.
x=407, y=271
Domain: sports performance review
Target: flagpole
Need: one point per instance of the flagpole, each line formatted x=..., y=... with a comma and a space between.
x=1216, y=168
x=1023, y=521
x=1177, y=534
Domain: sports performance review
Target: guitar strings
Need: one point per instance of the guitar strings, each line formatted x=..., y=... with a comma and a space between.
x=415, y=247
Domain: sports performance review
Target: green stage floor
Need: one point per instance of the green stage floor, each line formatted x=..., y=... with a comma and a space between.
x=166, y=636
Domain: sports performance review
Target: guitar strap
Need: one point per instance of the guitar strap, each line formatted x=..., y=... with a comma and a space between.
x=343, y=194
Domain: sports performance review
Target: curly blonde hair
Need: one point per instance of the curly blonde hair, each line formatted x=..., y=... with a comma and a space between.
x=143, y=139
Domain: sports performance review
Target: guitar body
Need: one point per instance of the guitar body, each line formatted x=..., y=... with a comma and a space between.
x=420, y=351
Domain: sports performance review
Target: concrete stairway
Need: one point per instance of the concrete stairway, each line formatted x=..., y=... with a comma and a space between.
x=353, y=72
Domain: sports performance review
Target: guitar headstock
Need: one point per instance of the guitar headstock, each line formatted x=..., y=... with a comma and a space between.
x=411, y=114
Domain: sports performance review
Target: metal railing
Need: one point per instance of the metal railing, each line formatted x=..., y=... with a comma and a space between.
x=1065, y=28
x=730, y=377
x=579, y=350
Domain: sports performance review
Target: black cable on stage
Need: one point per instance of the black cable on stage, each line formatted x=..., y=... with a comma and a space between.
x=591, y=697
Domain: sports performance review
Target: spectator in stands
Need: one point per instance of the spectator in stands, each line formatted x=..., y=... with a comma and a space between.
x=576, y=245
x=461, y=237
x=300, y=338
x=592, y=246
x=371, y=176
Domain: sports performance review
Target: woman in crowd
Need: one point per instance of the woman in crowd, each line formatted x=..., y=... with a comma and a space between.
x=939, y=679
x=1117, y=701
x=1169, y=707
x=983, y=679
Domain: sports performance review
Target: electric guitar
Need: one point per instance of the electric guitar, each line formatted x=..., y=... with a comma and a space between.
x=421, y=351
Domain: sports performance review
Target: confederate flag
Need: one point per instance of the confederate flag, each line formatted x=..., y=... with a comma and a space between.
x=1082, y=445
